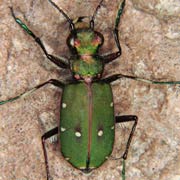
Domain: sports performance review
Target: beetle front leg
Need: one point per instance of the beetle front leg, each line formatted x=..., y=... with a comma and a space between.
x=45, y=136
x=112, y=56
x=123, y=119
x=51, y=81
x=60, y=62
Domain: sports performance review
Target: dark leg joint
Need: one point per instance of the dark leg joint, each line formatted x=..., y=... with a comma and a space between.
x=126, y=118
x=110, y=57
x=53, y=82
x=111, y=78
x=57, y=61
x=50, y=133
x=116, y=37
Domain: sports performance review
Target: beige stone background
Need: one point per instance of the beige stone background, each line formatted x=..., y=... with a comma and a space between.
x=150, y=39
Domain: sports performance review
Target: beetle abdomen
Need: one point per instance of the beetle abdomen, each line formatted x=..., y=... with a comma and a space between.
x=87, y=124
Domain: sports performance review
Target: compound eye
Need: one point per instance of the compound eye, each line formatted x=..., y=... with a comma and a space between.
x=97, y=40
x=72, y=42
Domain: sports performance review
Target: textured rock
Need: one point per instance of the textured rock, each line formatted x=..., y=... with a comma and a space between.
x=150, y=40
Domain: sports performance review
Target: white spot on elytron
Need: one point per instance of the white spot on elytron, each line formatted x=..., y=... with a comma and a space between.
x=107, y=157
x=111, y=105
x=112, y=127
x=77, y=134
x=64, y=105
x=63, y=129
x=100, y=132
x=67, y=159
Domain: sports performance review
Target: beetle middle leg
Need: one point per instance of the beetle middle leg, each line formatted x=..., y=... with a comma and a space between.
x=60, y=62
x=51, y=81
x=118, y=76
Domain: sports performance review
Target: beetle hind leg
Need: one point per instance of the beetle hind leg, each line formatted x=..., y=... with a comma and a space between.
x=45, y=136
x=123, y=119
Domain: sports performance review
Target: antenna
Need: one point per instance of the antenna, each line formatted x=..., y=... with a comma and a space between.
x=72, y=27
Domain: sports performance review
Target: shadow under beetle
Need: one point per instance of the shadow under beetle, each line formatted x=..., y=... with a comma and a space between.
x=87, y=120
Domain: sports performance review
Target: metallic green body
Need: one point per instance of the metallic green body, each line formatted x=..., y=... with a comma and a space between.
x=84, y=127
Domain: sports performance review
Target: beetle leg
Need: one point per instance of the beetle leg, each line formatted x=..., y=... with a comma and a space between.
x=112, y=56
x=122, y=119
x=51, y=81
x=60, y=62
x=118, y=76
x=45, y=136
x=123, y=170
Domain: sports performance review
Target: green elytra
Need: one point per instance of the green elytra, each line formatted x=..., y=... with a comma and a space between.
x=75, y=123
x=87, y=120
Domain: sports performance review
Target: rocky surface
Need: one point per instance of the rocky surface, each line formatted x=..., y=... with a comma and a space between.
x=150, y=39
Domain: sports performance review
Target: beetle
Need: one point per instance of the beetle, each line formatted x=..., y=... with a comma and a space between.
x=87, y=118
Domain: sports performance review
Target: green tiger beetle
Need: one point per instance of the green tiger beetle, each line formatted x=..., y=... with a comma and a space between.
x=87, y=119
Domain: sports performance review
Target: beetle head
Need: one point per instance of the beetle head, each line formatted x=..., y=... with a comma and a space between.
x=84, y=44
x=85, y=41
